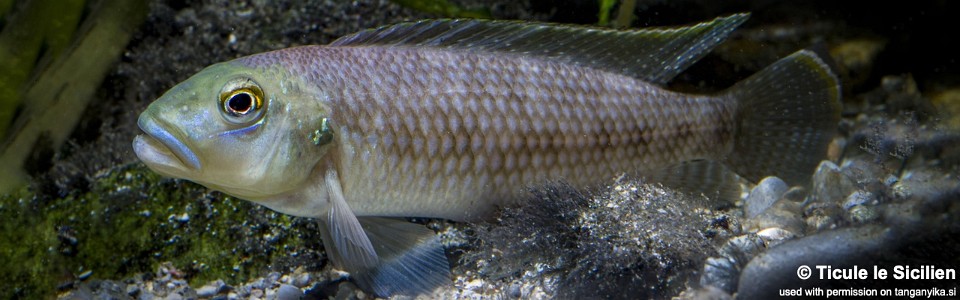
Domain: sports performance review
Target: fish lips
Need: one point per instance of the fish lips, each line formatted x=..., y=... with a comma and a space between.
x=163, y=149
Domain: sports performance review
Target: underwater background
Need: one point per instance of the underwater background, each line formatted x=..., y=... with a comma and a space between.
x=82, y=218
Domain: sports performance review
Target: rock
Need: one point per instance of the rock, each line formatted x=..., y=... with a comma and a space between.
x=924, y=185
x=85, y=275
x=173, y=296
x=514, y=290
x=795, y=194
x=721, y=273
x=776, y=268
x=835, y=148
x=347, y=290
x=822, y=216
x=861, y=214
x=256, y=293
x=78, y=294
x=830, y=183
x=861, y=170
x=785, y=214
x=302, y=280
x=146, y=296
x=742, y=249
x=133, y=290
x=890, y=180
x=288, y=292
x=775, y=236
x=859, y=198
x=763, y=196
x=220, y=286
x=207, y=291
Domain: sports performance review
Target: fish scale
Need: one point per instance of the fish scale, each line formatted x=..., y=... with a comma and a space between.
x=506, y=134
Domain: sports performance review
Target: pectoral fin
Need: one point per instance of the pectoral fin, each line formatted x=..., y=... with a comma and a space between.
x=384, y=256
x=351, y=246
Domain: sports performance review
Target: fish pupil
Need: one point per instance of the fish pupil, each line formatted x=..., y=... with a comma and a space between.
x=240, y=103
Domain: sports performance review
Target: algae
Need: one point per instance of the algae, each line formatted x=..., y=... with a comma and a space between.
x=134, y=220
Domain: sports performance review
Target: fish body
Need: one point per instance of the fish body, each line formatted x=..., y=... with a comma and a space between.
x=453, y=134
x=451, y=119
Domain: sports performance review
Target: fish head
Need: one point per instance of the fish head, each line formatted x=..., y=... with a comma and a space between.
x=251, y=132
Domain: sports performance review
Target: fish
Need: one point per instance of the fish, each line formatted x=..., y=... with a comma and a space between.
x=453, y=119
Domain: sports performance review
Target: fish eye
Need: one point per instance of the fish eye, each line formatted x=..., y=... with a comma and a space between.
x=241, y=101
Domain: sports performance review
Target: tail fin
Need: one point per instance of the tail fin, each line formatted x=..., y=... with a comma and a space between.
x=787, y=113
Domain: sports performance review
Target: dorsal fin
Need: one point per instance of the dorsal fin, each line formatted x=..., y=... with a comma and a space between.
x=655, y=55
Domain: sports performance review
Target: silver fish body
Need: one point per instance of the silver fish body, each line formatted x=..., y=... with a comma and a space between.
x=453, y=134
x=452, y=119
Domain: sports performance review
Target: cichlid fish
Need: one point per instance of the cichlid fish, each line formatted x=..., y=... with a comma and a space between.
x=453, y=118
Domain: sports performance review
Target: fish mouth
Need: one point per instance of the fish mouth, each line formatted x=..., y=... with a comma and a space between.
x=163, y=149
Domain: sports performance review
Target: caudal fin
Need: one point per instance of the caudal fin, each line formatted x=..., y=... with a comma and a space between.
x=787, y=113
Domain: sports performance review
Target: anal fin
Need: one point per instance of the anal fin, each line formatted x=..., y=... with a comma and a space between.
x=706, y=177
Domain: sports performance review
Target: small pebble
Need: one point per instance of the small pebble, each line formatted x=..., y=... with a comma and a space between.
x=830, y=183
x=742, y=248
x=173, y=296
x=890, y=180
x=288, y=292
x=775, y=236
x=256, y=293
x=207, y=291
x=133, y=290
x=721, y=273
x=85, y=275
x=821, y=223
x=795, y=194
x=863, y=214
x=784, y=214
x=835, y=148
x=302, y=280
x=822, y=216
x=514, y=290
x=764, y=195
x=858, y=198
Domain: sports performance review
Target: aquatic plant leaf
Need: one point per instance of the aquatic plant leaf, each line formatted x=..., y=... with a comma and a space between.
x=58, y=97
x=35, y=35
